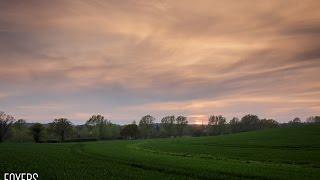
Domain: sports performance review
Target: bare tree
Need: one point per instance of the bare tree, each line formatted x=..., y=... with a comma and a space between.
x=216, y=120
x=313, y=119
x=181, y=124
x=168, y=123
x=217, y=125
x=6, y=122
x=212, y=121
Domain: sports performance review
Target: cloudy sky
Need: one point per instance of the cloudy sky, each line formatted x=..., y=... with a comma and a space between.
x=126, y=59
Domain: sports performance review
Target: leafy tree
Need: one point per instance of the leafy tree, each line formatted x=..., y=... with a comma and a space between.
x=36, y=131
x=295, y=121
x=268, y=123
x=181, y=124
x=20, y=124
x=98, y=123
x=19, y=130
x=234, y=124
x=249, y=122
x=130, y=131
x=6, y=122
x=113, y=131
x=61, y=127
x=80, y=131
x=168, y=123
x=146, y=125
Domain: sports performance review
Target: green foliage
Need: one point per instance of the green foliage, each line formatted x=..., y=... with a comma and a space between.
x=281, y=153
x=249, y=122
x=217, y=124
x=130, y=131
x=36, y=131
x=112, y=131
x=20, y=131
x=61, y=127
x=80, y=140
x=146, y=126
x=99, y=127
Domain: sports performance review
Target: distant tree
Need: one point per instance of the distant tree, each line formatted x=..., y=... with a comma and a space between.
x=234, y=120
x=99, y=123
x=130, y=131
x=234, y=124
x=19, y=130
x=36, y=131
x=249, y=122
x=217, y=125
x=78, y=131
x=198, y=130
x=61, y=127
x=157, y=131
x=146, y=125
x=295, y=121
x=168, y=124
x=268, y=123
x=113, y=131
x=221, y=120
x=20, y=124
x=313, y=119
x=213, y=120
x=181, y=124
x=6, y=122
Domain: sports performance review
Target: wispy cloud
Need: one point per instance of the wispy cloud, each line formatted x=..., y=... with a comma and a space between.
x=126, y=59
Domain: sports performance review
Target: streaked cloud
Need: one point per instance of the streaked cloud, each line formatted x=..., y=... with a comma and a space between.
x=130, y=58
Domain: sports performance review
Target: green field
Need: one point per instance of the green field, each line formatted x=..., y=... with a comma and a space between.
x=283, y=153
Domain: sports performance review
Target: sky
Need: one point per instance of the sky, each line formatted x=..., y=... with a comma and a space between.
x=127, y=59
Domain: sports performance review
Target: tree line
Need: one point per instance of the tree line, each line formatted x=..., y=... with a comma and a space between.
x=99, y=128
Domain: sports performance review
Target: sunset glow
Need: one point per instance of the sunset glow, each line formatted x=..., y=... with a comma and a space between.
x=126, y=59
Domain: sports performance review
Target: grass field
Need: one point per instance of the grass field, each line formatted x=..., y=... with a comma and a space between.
x=283, y=153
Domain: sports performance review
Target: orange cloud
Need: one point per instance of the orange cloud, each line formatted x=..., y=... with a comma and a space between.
x=156, y=56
